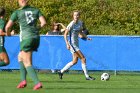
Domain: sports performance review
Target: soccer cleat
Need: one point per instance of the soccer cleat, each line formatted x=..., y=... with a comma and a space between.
x=60, y=75
x=90, y=78
x=22, y=84
x=37, y=86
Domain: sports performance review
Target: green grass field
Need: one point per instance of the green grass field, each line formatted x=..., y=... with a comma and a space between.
x=72, y=83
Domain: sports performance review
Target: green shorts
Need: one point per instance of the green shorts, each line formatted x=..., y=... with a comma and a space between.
x=31, y=44
x=2, y=49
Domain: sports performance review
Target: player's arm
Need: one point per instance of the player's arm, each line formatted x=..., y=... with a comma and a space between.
x=42, y=21
x=10, y=23
x=8, y=27
x=66, y=40
x=83, y=36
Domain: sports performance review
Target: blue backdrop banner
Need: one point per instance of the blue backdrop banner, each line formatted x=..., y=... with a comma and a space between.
x=102, y=53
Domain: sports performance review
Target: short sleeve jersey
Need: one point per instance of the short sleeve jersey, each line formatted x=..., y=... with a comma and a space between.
x=74, y=29
x=2, y=26
x=27, y=18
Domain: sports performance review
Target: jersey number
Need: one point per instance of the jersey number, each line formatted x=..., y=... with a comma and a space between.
x=29, y=17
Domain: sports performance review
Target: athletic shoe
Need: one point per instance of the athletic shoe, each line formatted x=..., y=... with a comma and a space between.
x=37, y=86
x=90, y=78
x=22, y=84
x=60, y=75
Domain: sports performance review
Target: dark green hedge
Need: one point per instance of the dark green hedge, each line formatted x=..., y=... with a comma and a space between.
x=102, y=17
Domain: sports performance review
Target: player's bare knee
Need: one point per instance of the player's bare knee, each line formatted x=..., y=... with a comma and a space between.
x=74, y=62
x=26, y=64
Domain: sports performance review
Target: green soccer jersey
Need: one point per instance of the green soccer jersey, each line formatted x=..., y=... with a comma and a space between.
x=27, y=17
x=2, y=26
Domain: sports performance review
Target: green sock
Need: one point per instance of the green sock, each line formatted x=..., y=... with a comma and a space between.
x=32, y=74
x=2, y=64
x=23, y=71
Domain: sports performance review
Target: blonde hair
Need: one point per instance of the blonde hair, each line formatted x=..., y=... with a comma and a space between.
x=74, y=12
x=24, y=0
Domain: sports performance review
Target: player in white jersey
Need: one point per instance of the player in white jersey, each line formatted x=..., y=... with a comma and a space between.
x=74, y=32
x=74, y=29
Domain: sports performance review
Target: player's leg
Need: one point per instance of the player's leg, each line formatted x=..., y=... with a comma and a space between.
x=23, y=72
x=83, y=60
x=27, y=47
x=27, y=60
x=69, y=65
x=73, y=49
x=4, y=59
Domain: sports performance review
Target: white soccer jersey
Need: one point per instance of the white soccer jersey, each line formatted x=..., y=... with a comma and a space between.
x=74, y=29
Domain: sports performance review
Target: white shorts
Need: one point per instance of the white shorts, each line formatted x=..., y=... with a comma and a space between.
x=74, y=48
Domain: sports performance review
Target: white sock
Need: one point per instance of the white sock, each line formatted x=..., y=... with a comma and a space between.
x=85, y=70
x=70, y=64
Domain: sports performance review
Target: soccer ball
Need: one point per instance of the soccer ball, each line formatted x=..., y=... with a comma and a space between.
x=105, y=77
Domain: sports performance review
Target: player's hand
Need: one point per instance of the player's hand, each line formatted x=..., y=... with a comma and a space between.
x=13, y=32
x=68, y=46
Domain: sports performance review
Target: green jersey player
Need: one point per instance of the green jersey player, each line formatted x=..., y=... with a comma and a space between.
x=4, y=59
x=27, y=17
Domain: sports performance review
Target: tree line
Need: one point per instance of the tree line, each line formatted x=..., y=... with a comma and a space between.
x=102, y=17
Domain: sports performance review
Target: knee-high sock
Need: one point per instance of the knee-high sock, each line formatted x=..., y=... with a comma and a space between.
x=70, y=64
x=23, y=71
x=32, y=74
x=85, y=70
